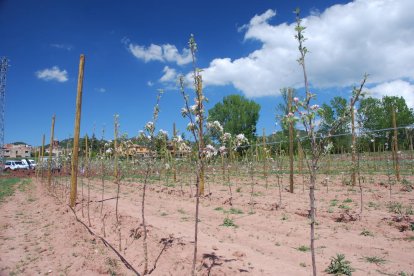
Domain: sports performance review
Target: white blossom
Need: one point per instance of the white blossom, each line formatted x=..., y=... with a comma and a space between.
x=190, y=126
x=184, y=111
x=149, y=126
x=226, y=137
x=315, y=107
x=210, y=151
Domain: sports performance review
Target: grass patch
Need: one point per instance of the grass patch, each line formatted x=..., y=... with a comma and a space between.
x=23, y=185
x=235, y=211
x=303, y=248
x=399, y=209
x=333, y=202
x=402, y=273
x=373, y=205
x=366, y=233
x=7, y=187
x=375, y=260
x=345, y=207
x=228, y=222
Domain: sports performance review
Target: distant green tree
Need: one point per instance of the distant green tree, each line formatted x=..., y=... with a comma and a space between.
x=376, y=114
x=282, y=108
x=237, y=115
x=332, y=113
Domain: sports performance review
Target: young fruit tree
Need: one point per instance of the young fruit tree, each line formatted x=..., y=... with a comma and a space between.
x=195, y=114
x=308, y=114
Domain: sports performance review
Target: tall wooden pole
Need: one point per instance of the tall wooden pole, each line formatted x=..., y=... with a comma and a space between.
x=264, y=156
x=290, y=91
x=75, y=152
x=353, y=175
x=42, y=154
x=49, y=170
x=395, y=145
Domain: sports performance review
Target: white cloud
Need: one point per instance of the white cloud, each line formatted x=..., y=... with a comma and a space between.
x=53, y=73
x=62, y=46
x=169, y=74
x=150, y=83
x=345, y=41
x=101, y=89
x=163, y=53
x=397, y=88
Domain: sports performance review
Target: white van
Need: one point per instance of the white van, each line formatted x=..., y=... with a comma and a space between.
x=29, y=163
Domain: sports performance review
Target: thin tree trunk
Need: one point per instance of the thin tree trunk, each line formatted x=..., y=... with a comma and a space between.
x=102, y=180
x=144, y=225
x=87, y=177
x=312, y=216
x=290, y=91
x=196, y=220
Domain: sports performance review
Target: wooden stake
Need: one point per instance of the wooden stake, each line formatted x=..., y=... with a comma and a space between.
x=49, y=170
x=42, y=154
x=264, y=156
x=353, y=175
x=75, y=152
x=395, y=146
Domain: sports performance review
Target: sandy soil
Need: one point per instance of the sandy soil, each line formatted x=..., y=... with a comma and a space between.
x=40, y=234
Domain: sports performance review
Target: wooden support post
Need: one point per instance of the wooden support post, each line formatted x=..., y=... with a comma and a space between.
x=42, y=154
x=75, y=152
x=264, y=156
x=49, y=167
x=353, y=175
x=395, y=145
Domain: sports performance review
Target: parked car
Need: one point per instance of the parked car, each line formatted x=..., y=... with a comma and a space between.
x=22, y=166
x=14, y=165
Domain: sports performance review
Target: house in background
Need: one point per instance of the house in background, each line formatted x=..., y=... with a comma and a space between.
x=17, y=151
x=57, y=149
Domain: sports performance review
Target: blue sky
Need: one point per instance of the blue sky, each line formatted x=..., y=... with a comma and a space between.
x=133, y=48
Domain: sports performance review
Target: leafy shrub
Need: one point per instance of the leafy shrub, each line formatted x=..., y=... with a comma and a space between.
x=229, y=223
x=334, y=202
x=339, y=266
x=407, y=186
x=395, y=207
